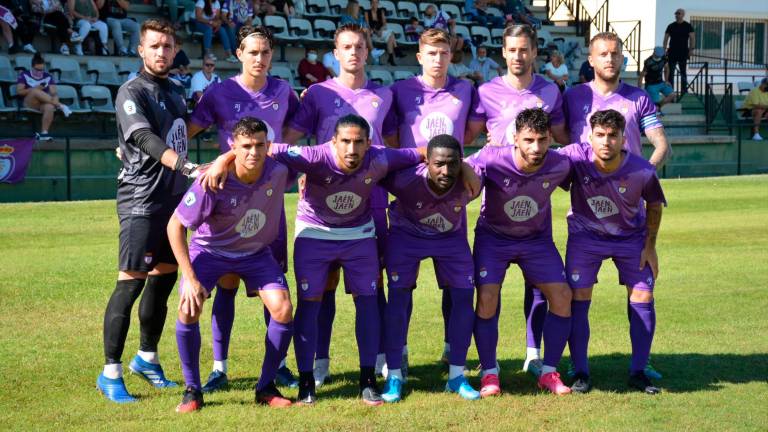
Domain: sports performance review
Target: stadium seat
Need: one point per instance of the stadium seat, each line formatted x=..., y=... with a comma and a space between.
x=279, y=28
x=23, y=62
x=745, y=86
x=68, y=96
x=103, y=72
x=399, y=33
x=383, y=77
x=407, y=10
x=337, y=6
x=256, y=21
x=302, y=29
x=283, y=72
x=463, y=31
x=325, y=29
x=400, y=75
x=6, y=107
x=455, y=12
x=494, y=11
x=364, y=5
x=390, y=10
x=481, y=36
x=67, y=71
x=128, y=66
x=497, y=36
x=7, y=74
x=99, y=98
x=318, y=8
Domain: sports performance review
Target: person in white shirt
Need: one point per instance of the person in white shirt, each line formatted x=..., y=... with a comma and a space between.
x=483, y=67
x=556, y=70
x=202, y=79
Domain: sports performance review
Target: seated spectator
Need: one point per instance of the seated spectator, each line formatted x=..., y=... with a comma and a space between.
x=180, y=69
x=237, y=13
x=38, y=88
x=263, y=7
x=556, y=71
x=187, y=7
x=284, y=7
x=586, y=72
x=655, y=68
x=86, y=16
x=483, y=68
x=331, y=64
x=434, y=18
x=352, y=15
x=116, y=14
x=457, y=68
x=477, y=11
x=310, y=70
x=18, y=21
x=7, y=24
x=518, y=13
x=413, y=30
x=202, y=79
x=757, y=101
x=377, y=24
x=51, y=12
x=208, y=21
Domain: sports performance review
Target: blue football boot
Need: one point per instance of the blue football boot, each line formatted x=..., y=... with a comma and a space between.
x=393, y=389
x=114, y=389
x=461, y=386
x=152, y=373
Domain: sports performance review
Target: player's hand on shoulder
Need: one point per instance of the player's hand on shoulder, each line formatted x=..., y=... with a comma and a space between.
x=213, y=175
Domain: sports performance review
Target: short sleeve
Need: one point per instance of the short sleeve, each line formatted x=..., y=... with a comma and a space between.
x=669, y=29
x=392, y=120
x=646, y=112
x=305, y=119
x=477, y=161
x=475, y=111
x=652, y=192
x=204, y=112
x=131, y=111
x=293, y=105
x=297, y=158
x=398, y=159
x=196, y=206
x=557, y=115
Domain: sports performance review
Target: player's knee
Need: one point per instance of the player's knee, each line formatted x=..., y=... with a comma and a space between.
x=229, y=281
x=186, y=318
x=47, y=108
x=486, y=303
x=641, y=296
x=282, y=312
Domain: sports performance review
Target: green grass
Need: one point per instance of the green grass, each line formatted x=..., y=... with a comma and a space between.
x=58, y=269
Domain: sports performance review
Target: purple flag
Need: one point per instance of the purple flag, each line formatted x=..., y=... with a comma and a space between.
x=14, y=158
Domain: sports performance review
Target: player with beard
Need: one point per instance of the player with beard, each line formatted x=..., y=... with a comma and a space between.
x=152, y=136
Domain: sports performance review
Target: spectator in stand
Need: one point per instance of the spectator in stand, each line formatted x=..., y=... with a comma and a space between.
x=52, y=12
x=556, y=70
x=757, y=101
x=457, y=68
x=377, y=25
x=413, y=30
x=18, y=20
x=352, y=15
x=517, y=13
x=180, y=69
x=116, y=14
x=187, y=6
x=208, y=16
x=284, y=7
x=86, y=16
x=7, y=25
x=311, y=71
x=237, y=13
x=205, y=77
x=331, y=64
x=477, y=11
x=38, y=88
x=439, y=19
x=586, y=72
x=263, y=7
x=483, y=68
x=679, y=41
x=655, y=70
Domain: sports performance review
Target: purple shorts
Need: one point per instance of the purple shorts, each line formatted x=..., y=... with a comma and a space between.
x=314, y=258
x=259, y=271
x=450, y=255
x=538, y=258
x=585, y=254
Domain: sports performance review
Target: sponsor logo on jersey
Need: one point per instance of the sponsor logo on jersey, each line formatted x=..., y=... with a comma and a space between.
x=602, y=206
x=191, y=199
x=177, y=137
x=129, y=107
x=521, y=208
x=344, y=202
x=438, y=222
x=435, y=123
x=251, y=223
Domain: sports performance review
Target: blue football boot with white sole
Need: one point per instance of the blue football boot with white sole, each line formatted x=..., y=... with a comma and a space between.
x=461, y=386
x=152, y=373
x=393, y=389
x=114, y=389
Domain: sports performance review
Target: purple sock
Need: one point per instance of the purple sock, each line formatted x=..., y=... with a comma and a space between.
x=642, y=325
x=276, y=345
x=367, y=325
x=535, y=310
x=305, y=334
x=325, y=324
x=381, y=302
x=461, y=324
x=578, y=341
x=410, y=312
x=396, y=325
x=486, y=337
x=222, y=319
x=446, y=306
x=556, y=331
x=188, y=341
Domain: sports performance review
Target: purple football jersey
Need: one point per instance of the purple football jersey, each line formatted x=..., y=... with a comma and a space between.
x=517, y=204
x=610, y=205
x=332, y=198
x=224, y=103
x=418, y=210
x=45, y=80
x=239, y=220
x=326, y=102
x=500, y=103
x=420, y=112
x=632, y=102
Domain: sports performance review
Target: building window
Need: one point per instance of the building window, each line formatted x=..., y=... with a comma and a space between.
x=740, y=41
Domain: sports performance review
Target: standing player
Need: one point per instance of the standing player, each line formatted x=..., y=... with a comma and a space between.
x=321, y=107
x=501, y=100
x=431, y=104
x=616, y=202
x=233, y=231
x=515, y=226
x=607, y=91
x=251, y=93
x=427, y=220
x=153, y=138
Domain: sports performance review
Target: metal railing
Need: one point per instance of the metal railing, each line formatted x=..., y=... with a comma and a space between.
x=719, y=107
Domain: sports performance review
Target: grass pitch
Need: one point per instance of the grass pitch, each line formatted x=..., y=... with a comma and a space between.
x=58, y=269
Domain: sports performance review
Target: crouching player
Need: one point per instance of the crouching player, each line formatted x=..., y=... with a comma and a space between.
x=233, y=230
x=616, y=202
x=427, y=221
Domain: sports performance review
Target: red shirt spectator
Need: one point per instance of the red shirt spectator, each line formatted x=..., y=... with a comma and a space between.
x=311, y=71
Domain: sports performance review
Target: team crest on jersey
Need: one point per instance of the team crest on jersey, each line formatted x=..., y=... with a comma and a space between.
x=275, y=106
x=373, y=285
x=148, y=258
x=649, y=281
x=539, y=103
x=337, y=102
x=622, y=187
x=237, y=107
x=280, y=280
x=368, y=180
x=457, y=208
x=304, y=285
x=575, y=276
x=625, y=109
x=395, y=277
x=586, y=109
x=269, y=192
x=545, y=185
x=471, y=280
x=483, y=272
x=162, y=105
x=129, y=107
x=455, y=101
x=375, y=103
x=587, y=179
x=190, y=199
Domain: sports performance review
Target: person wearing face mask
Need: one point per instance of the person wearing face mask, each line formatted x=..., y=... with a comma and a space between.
x=38, y=88
x=482, y=66
x=310, y=70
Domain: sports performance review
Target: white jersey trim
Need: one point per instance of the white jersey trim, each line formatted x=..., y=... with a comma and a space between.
x=308, y=230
